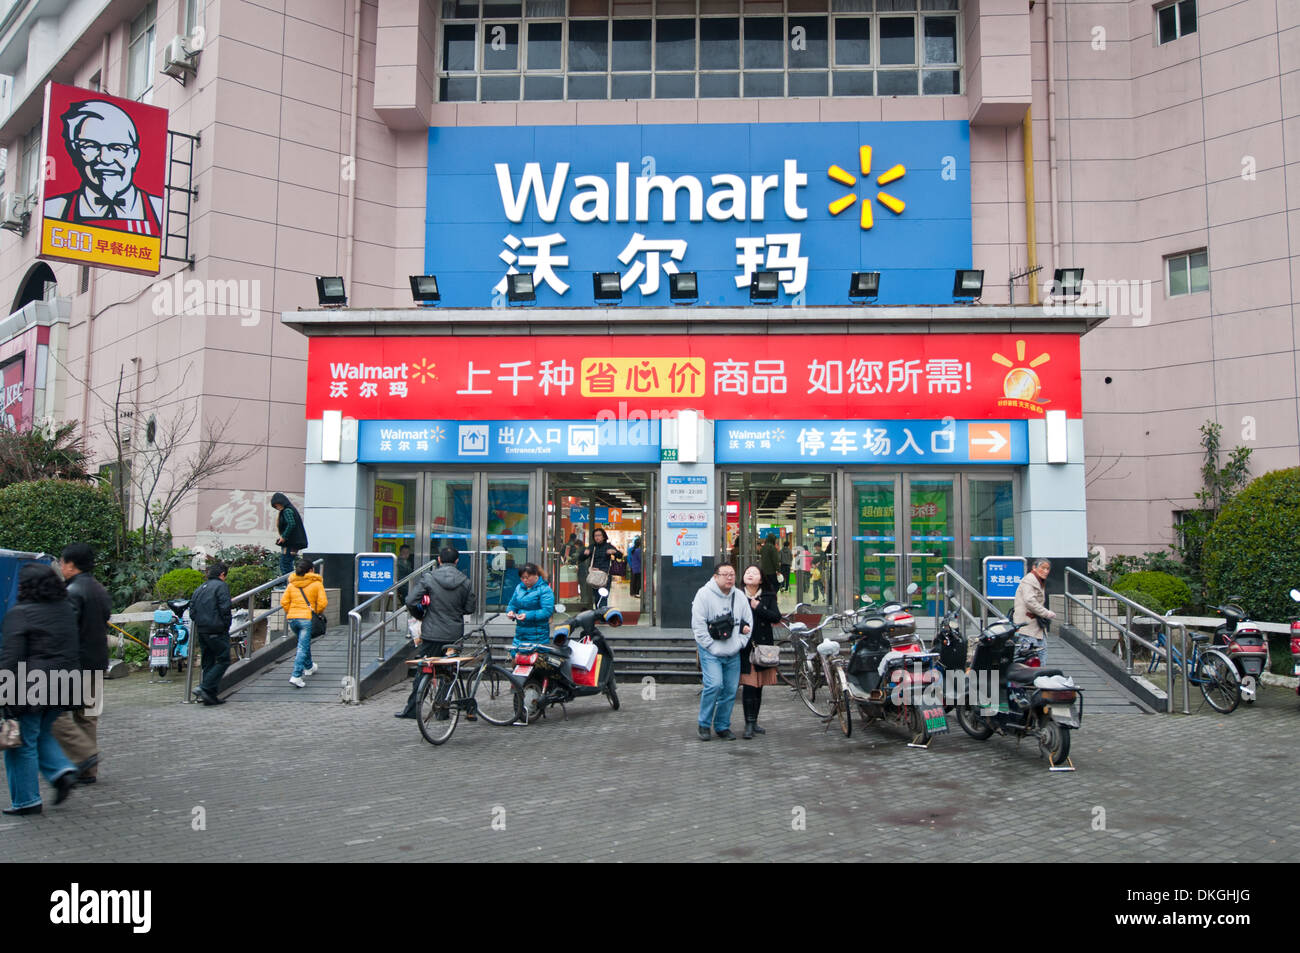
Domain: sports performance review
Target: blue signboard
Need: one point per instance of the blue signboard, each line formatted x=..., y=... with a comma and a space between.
x=376, y=572
x=1002, y=575
x=938, y=442
x=812, y=201
x=508, y=441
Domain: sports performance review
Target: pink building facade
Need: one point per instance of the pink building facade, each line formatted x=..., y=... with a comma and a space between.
x=1166, y=163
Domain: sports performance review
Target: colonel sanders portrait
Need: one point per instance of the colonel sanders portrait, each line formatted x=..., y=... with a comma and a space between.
x=105, y=148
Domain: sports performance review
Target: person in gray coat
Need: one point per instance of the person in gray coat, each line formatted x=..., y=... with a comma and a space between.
x=1031, y=606
x=440, y=599
x=719, y=644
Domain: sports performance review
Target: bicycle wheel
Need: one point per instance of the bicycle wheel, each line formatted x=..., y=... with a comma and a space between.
x=844, y=713
x=1219, y=681
x=439, y=709
x=789, y=666
x=808, y=682
x=495, y=697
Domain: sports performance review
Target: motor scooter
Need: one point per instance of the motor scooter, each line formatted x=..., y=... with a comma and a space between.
x=169, y=638
x=577, y=662
x=1041, y=703
x=1246, y=647
x=1295, y=640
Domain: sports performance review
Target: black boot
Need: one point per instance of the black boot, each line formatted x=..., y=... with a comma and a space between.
x=749, y=730
x=758, y=703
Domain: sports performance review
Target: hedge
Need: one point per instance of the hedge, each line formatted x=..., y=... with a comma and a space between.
x=1252, y=552
x=1168, y=590
x=243, y=578
x=177, y=584
x=43, y=516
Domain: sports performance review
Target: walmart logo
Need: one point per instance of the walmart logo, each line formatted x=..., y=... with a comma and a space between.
x=894, y=204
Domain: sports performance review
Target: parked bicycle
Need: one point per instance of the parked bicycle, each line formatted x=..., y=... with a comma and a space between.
x=807, y=674
x=460, y=681
x=1209, y=669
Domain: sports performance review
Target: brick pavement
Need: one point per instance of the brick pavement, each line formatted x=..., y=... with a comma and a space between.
x=301, y=781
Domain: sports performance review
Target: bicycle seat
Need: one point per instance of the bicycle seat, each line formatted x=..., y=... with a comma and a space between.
x=1201, y=636
x=1026, y=674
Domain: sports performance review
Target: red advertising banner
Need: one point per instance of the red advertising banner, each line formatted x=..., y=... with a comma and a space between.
x=725, y=377
x=13, y=415
x=102, y=201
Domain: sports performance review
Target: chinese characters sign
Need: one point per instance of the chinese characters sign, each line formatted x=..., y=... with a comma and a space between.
x=1002, y=575
x=872, y=441
x=723, y=201
x=507, y=441
x=376, y=572
x=104, y=180
x=773, y=377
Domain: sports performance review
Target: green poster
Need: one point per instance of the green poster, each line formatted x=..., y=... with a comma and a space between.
x=876, y=523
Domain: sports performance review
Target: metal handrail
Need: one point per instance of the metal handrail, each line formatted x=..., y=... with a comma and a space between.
x=1126, y=631
x=351, y=693
x=318, y=565
x=946, y=574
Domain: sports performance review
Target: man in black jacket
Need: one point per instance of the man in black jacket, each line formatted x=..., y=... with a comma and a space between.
x=441, y=599
x=210, y=610
x=291, y=535
x=76, y=731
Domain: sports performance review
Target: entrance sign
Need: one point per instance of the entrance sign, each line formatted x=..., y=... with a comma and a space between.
x=693, y=490
x=104, y=179
x=507, y=441
x=376, y=572
x=812, y=201
x=835, y=442
x=634, y=380
x=1002, y=575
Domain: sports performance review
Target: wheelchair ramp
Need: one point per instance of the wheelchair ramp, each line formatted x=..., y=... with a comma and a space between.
x=1101, y=693
x=330, y=652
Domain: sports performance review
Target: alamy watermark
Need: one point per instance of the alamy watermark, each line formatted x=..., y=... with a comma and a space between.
x=212, y=297
x=56, y=688
x=1124, y=298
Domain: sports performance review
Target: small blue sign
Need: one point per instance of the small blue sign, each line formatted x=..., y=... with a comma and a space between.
x=579, y=514
x=1002, y=575
x=508, y=441
x=933, y=442
x=376, y=572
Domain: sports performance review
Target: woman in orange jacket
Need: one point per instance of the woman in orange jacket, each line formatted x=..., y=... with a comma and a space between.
x=304, y=594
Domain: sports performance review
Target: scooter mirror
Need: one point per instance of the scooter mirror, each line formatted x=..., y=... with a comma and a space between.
x=560, y=609
x=1295, y=594
x=603, y=591
x=912, y=587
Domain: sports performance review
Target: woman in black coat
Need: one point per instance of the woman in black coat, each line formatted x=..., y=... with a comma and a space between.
x=762, y=603
x=599, y=555
x=40, y=633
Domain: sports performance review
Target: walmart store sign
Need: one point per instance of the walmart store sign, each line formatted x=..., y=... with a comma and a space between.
x=813, y=202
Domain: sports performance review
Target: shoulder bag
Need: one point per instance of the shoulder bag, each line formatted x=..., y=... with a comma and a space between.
x=318, y=620
x=765, y=656
x=10, y=736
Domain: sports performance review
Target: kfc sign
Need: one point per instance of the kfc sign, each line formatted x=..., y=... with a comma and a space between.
x=105, y=175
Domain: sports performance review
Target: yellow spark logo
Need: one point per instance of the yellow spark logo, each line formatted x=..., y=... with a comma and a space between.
x=845, y=178
x=1021, y=387
x=423, y=371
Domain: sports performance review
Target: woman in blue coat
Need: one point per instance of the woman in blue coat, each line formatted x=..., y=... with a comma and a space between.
x=531, y=607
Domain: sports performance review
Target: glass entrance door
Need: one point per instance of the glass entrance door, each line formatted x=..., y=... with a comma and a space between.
x=931, y=533
x=903, y=530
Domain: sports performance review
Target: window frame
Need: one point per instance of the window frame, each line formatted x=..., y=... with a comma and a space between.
x=142, y=46
x=1179, y=32
x=1186, y=259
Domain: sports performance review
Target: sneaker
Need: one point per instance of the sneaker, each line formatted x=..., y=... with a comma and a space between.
x=726, y=735
x=704, y=733
x=296, y=680
x=312, y=670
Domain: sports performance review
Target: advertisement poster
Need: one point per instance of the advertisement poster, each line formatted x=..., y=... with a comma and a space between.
x=686, y=548
x=103, y=192
x=12, y=417
x=389, y=525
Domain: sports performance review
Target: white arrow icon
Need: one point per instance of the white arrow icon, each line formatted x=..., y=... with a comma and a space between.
x=995, y=441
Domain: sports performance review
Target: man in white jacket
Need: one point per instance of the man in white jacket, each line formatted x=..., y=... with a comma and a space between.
x=720, y=645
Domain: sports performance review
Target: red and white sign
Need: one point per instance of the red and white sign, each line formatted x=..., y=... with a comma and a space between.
x=104, y=183
x=11, y=414
x=725, y=377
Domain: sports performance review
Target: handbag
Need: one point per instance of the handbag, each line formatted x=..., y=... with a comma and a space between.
x=597, y=578
x=618, y=566
x=765, y=656
x=318, y=621
x=10, y=736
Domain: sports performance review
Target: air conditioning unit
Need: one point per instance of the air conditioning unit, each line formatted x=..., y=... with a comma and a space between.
x=15, y=216
x=179, y=59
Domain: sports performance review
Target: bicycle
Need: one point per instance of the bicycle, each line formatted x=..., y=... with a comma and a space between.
x=1210, y=670
x=453, y=683
x=808, y=675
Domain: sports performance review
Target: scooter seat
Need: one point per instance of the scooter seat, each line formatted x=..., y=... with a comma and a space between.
x=1027, y=673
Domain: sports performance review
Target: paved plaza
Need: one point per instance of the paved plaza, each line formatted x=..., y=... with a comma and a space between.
x=299, y=781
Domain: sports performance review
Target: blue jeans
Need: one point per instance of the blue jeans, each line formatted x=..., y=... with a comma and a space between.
x=301, y=661
x=39, y=749
x=721, y=678
x=287, y=561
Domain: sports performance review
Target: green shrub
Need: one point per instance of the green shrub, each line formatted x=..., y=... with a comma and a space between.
x=1170, y=591
x=243, y=578
x=177, y=584
x=130, y=574
x=248, y=554
x=1252, y=552
x=1141, y=598
x=43, y=516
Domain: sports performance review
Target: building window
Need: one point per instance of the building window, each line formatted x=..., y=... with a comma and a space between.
x=31, y=171
x=140, y=54
x=494, y=50
x=1176, y=19
x=1187, y=273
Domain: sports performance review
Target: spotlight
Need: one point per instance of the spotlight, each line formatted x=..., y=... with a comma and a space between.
x=968, y=284
x=519, y=287
x=764, y=286
x=424, y=289
x=330, y=292
x=684, y=286
x=863, y=285
x=606, y=285
x=1067, y=283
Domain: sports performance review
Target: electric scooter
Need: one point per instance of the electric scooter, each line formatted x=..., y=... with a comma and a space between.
x=1295, y=640
x=577, y=663
x=1246, y=647
x=169, y=638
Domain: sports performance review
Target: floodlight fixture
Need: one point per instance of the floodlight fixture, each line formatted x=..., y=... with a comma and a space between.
x=330, y=292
